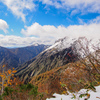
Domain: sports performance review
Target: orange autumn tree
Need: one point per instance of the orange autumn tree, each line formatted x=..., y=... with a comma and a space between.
x=6, y=77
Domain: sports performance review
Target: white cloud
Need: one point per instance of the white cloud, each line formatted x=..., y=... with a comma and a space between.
x=51, y=33
x=52, y=3
x=96, y=20
x=81, y=21
x=12, y=30
x=74, y=12
x=18, y=7
x=16, y=41
x=48, y=34
x=6, y=14
x=3, y=25
x=83, y=6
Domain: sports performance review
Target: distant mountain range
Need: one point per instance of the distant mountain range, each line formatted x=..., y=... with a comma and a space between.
x=13, y=57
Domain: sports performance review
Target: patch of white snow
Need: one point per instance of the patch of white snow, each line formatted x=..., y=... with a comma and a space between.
x=93, y=95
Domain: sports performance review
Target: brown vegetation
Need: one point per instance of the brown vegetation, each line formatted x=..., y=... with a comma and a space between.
x=84, y=73
x=75, y=76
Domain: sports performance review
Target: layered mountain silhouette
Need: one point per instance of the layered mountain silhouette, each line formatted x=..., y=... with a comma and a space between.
x=13, y=57
x=8, y=58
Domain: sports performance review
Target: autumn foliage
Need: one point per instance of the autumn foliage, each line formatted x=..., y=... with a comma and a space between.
x=83, y=73
x=6, y=77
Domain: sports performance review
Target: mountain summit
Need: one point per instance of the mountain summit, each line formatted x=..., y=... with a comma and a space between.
x=64, y=51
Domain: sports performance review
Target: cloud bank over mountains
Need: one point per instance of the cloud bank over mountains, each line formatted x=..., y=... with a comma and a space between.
x=50, y=31
x=48, y=34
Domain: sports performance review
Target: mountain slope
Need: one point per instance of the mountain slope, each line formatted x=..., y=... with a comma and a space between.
x=57, y=55
x=8, y=58
x=16, y=56
x=26, y=53
x=62, y=52
x=42, y=63
x=70, y=77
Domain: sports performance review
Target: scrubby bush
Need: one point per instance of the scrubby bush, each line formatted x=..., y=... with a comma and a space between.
x=21, y=92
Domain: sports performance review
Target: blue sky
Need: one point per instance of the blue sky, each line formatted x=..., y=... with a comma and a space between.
x=26, y=22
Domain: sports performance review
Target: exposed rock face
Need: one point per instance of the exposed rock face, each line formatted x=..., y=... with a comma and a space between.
x=55, y=56
x=62, y=52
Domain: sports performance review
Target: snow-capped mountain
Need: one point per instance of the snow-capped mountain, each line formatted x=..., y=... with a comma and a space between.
x=63, y=43
x=78, y=44
x=64, y=50
x=68, y=62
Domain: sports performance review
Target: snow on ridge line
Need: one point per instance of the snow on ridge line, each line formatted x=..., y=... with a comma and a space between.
x=66, y=42
x=93, y=95
x=62, y=43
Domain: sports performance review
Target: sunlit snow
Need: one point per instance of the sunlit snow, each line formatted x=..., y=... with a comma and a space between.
x=93, y=95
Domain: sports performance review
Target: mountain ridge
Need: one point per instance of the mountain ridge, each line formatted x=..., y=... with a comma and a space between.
x=64, y=51
x=13, y=57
